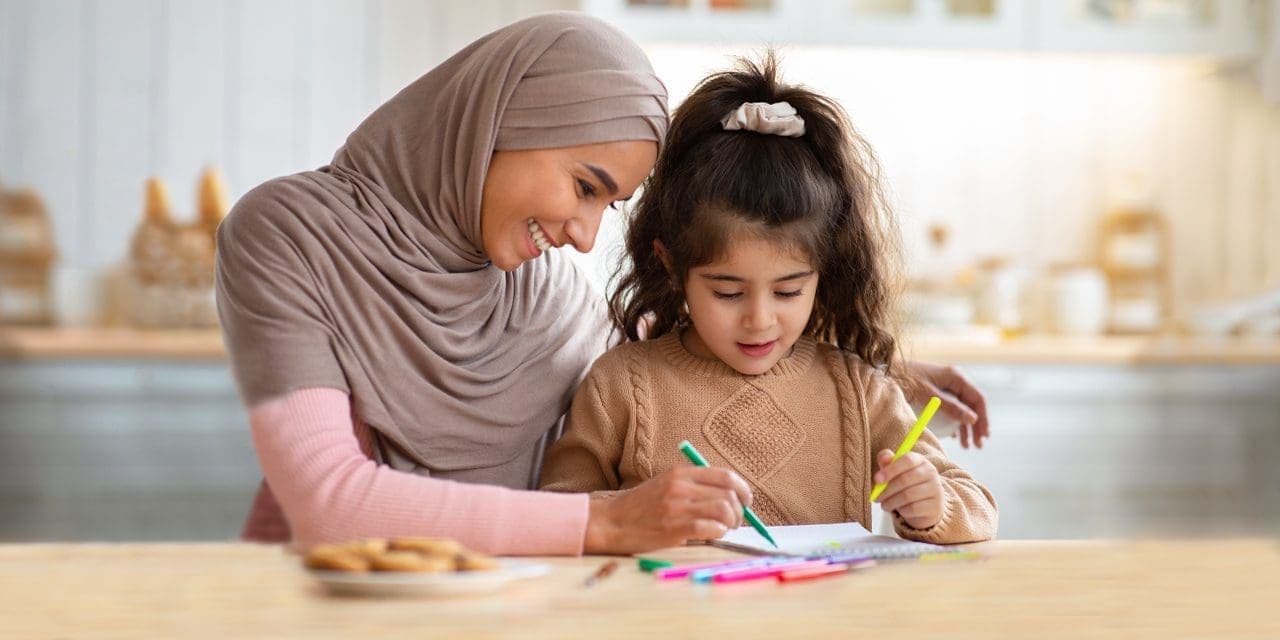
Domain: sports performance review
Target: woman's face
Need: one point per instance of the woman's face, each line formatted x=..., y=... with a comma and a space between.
x=540, y=199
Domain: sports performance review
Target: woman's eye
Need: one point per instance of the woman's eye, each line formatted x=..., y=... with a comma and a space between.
x=789, y=294
x=588, y=191
x=727, y=296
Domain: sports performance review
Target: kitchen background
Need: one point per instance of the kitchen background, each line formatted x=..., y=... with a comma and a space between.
x=1088, y=192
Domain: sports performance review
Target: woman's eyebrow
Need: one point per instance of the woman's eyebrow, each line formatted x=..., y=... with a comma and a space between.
x=604, y=177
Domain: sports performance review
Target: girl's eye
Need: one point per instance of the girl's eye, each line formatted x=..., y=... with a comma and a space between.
x=727, y=296
x=789, y=294
x=588, y=191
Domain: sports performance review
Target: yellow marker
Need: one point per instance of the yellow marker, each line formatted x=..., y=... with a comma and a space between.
x=910, y=440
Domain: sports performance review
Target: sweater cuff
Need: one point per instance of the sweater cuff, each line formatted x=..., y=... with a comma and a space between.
x=544, y=523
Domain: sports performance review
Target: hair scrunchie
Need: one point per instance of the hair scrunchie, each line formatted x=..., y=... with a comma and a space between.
x=779, y=119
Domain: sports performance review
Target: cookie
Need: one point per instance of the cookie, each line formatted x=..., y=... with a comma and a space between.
x=411, y=561
x=367, y=548
x=428, y=546
x=331, y=557
x=471, y=561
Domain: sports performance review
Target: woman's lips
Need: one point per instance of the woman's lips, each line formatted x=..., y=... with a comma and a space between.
x=757, y=350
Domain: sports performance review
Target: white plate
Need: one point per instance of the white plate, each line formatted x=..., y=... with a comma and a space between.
x=390, y=583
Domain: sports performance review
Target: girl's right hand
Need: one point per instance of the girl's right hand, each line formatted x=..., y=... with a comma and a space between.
x=685, y=503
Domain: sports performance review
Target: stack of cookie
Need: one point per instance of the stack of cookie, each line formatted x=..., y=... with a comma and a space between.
x=415, y=555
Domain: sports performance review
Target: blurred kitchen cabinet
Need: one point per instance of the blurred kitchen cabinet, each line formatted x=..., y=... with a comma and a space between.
x=1081, y=451
x=1214, y=29
x=1217, y=29
x=1269, y=69
x=122, y=449
x=873, y=23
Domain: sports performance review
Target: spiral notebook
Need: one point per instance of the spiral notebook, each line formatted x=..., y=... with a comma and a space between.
x=825, y=540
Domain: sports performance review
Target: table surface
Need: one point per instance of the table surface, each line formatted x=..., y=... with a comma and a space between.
x=1069, y=589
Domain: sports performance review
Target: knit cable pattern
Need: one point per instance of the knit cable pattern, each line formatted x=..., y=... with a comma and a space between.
x=636, y=371
x=852, y=416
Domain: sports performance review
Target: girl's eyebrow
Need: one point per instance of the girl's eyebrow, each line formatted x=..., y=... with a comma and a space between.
x=725, y=277
x=604, y=177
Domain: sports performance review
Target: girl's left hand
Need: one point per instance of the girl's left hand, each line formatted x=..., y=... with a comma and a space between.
x=914, y=491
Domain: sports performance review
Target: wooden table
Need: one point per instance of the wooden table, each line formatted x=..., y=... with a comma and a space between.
x=1169, y=589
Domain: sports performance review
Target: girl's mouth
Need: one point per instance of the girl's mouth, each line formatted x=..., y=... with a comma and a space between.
x=757, y=350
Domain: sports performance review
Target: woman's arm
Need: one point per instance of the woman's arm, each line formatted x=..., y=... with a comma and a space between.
x=331, y=491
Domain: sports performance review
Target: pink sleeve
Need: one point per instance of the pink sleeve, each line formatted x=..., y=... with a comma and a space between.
x=332, y=492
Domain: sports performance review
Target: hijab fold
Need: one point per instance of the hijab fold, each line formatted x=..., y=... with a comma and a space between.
x=368, y=275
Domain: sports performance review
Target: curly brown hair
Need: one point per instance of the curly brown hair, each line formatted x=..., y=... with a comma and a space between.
x=819, y=193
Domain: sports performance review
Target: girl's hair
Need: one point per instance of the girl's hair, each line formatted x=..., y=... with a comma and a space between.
x=819, y=193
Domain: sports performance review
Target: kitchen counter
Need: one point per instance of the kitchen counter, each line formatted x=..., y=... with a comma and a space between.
x=206, y=344
x=1211, y=588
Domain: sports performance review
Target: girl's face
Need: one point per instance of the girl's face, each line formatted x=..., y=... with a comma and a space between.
x=540, y=199
x=750, y=306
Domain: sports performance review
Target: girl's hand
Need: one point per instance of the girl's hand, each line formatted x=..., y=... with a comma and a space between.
x=682, y=504
x=914, y=491
x=960, y=399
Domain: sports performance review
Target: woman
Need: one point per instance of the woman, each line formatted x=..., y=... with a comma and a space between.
x=403, y=333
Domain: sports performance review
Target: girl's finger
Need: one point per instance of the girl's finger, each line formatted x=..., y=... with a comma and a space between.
x=909, y=495
x=918, y=509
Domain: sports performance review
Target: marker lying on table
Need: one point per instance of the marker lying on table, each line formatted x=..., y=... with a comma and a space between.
x=910, y=440
x=696, y=458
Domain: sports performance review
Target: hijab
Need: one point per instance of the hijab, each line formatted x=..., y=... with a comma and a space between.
x=368, y=275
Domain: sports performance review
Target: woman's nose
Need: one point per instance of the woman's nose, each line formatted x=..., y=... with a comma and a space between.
x=582, y=231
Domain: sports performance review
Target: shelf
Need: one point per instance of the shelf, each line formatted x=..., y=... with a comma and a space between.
x=1103, y=350
x=1213, y=29
x=206, y=344
x=100, y=344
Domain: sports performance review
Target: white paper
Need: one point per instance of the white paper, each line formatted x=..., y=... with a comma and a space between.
x=823, y=539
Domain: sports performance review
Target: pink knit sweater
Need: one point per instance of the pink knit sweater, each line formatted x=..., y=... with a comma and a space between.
x=323, y=486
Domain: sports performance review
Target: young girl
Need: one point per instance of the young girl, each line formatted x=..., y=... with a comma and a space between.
x=758, y=262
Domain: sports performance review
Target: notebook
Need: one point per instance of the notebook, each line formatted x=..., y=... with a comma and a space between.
x=825, y=540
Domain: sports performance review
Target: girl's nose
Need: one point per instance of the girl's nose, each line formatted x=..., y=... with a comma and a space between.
x=582, y=230
x=759, y=315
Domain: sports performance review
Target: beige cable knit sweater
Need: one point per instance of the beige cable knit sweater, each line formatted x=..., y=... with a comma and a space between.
x=804, y=434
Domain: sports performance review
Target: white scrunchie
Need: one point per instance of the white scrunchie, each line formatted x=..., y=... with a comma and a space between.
x=778, y=119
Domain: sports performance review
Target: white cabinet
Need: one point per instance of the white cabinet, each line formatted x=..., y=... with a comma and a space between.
x=1119, y=451
x=1219, y=29
x=873, y=23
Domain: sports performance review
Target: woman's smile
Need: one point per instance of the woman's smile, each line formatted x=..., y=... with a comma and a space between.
x=539, y=238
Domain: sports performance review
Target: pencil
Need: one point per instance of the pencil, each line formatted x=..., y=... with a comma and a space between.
x=910, y=440
x=696, y=458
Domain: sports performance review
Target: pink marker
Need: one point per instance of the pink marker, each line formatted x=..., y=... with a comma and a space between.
x=683, y=571
x=755, y=573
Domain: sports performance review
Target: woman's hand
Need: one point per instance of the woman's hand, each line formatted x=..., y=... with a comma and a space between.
x=960, y=399
x=914, y=491
x=685, y=503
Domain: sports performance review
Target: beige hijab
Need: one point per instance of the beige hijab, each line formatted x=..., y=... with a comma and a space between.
x=368, y=275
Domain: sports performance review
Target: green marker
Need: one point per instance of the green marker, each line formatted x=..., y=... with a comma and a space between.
x=696, y=458
x=649, y=565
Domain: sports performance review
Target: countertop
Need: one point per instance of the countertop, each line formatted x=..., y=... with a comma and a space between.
x=206, y=344
x=1210, y=588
